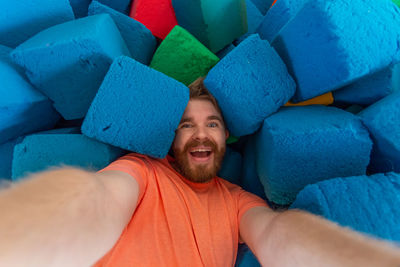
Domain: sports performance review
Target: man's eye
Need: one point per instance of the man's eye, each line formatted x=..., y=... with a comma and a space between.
x=212, y=124
x=186, y=125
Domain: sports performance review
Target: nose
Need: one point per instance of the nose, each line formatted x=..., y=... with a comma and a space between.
x=200, y=133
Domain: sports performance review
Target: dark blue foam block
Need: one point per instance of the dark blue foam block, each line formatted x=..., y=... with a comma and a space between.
x=22, y=108
x=382, y=121
x=396, y=77
x=80, y=7
x=136, y=108
x=231, y=166
x=250, y=83
x=326, y=46
x=246, y=258
x=6, y=156
x=38, y=152
x=250, y=181
x=122, y=6
x=24, y=18
x=226, y=50
x=139, y=40
x=263, y=5
x=368, y=204
x=67, y=62
x=368, y=89
x=277, y=17
x=302, y=145
x=254, y=18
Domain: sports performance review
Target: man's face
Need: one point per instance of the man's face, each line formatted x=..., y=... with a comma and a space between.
x=199, y=144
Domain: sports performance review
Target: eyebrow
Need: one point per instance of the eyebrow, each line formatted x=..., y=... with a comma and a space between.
x=213, y=117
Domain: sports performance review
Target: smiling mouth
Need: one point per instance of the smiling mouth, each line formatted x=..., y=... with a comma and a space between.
x=201, y=154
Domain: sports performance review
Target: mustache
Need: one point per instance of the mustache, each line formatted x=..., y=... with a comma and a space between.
x=195, y=143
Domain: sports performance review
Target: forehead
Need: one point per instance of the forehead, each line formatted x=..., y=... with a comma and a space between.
x=200, y=108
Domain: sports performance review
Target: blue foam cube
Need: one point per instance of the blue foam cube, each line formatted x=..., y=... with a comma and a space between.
x=382, y=121
x=298, y=146
x=250, y=83
x=40, y=151
x=368, y=204
x=263, y=5
x=24, y=18
x=254, y=18
x=6, y=156
x=122, y=6
x=136, y=108
x=277, y=17
x=139, y=40
x=327, y=46
x=370, y=88
x=231, y=166
x=80, y=7
x=22, y=108
x=67, y=62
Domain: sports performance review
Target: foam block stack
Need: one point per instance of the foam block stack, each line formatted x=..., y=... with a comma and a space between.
x=214, y=23
x=303, y=145
x=67, y=62
x=139, y=40
x=382, y=121
x=183, y=57
x=38, y=151
x=342, y=50
x=250, y=83
x=132, y=102
x=24, y=18
x=365, y=203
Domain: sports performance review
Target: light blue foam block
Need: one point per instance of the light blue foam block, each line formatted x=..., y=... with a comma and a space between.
x=41, y=151
x=136, y=108
x=263, y=5
x=231, y=166
x=246, y=258
x=214, y=23
x=370, y=88
x=250, y=180
x=67, y=62
x=250, y=83
x=327, y=46
x=368, y=204
x=23, y=109
x=254, y=18
x=122, y=6
x=139, y=40
x=80, y=7
x=24, y=18
x=277, y=17
x=298, y=146
x=382, y=121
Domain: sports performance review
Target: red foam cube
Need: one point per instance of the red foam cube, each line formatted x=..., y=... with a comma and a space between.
x=157, y=15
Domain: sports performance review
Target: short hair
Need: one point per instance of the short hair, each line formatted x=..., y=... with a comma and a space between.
x=197, y=90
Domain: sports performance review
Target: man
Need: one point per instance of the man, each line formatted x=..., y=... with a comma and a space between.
x=140, y=211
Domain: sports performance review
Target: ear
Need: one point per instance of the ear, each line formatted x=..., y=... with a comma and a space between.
x=226, y=134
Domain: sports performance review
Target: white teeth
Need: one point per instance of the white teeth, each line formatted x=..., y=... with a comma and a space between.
x=201, y=150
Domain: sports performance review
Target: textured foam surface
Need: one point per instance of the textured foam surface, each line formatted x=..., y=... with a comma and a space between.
x=382, y=121
x=250, y=83
x=302, y=145
x=369, y=89
x=367, y=204
x=22, y=108
x=340, y=41
x=182, y=57
x=157, y=15
x=122, y=6
x=263, y=5
x=139, y=40
x=254, y=18
x=231, y=166
x=40, y=151
x=249, y=180
x=67, y=62
x=80, y=7
x=24, y=18
x=136, y=108
x=246, y=258
x=277, y=17
x=214, y=23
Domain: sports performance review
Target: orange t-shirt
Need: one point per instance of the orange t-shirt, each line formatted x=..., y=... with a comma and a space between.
x=178, y=222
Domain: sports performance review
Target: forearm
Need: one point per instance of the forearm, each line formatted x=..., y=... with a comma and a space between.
x=296, y=238
x=62, y=217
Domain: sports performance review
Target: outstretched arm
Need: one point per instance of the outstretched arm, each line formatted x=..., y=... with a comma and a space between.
x=64, y=217
x=297, y=238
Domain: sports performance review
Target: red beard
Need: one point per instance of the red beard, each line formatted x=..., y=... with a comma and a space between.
x=200, y=173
